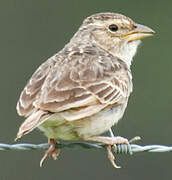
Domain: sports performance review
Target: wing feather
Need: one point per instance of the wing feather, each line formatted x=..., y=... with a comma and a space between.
x=76, y=80
x=82, y=82
x=33, y=88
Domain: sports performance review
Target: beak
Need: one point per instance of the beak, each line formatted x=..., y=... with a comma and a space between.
x=139, y=32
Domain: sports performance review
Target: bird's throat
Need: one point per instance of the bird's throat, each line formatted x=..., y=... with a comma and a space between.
x=127, y=51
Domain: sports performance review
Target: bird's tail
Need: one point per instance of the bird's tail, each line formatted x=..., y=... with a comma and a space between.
x=33, y=121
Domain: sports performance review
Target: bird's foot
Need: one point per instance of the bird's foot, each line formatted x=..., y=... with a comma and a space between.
x=51, y=152
x=109, y=142
x=115, y=141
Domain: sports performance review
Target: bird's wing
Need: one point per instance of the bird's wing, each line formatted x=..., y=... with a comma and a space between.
x=75, y=81
x=33, y=88
x=76, y=86
x=84, y=80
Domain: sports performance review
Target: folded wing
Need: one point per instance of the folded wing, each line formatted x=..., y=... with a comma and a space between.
x=81, y=80
x=80, y=84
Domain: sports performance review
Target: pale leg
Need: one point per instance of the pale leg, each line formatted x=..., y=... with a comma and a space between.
x=109, y=142
x=52, y=151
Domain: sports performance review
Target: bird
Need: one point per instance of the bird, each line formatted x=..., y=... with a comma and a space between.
x=83, y=90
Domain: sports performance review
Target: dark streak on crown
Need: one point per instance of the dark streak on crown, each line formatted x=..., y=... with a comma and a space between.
x=105, y=16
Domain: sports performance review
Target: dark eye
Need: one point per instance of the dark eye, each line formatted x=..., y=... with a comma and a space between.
x=113, y=27
x=134, y=26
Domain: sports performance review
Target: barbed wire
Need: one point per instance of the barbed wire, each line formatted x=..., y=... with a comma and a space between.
x=118, y=149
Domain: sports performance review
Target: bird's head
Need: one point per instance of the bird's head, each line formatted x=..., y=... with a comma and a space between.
x=115, y=33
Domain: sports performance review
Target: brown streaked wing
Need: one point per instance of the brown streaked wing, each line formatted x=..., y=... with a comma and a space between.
x=32, y=89
x=84, y=80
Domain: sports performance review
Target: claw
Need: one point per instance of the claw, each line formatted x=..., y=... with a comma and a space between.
x=109, y=142
x=111, y=157
x=136, y=138
x=52, y=151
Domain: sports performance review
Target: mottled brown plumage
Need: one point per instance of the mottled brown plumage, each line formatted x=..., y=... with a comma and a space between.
x=83, y=90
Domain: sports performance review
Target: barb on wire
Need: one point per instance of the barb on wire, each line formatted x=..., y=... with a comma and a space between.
x=118, y=149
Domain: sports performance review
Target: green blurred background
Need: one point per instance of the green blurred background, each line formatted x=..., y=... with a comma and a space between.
x=31, y=31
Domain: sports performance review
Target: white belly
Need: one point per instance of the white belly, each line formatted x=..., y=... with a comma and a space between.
x=100, y=122
x=97, y=124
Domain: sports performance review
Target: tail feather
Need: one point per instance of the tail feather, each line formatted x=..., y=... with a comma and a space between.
x=33, y=121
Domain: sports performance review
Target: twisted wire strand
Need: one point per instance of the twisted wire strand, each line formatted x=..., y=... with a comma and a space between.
x=118, y=149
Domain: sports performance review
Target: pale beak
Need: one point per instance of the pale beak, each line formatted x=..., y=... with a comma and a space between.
x=139, y=32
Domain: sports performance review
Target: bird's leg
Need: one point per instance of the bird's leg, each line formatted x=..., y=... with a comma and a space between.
x=111, y=133
x=109, y=142
x=52, y=151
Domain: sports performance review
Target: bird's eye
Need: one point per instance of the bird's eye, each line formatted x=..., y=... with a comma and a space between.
x=113, y=27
